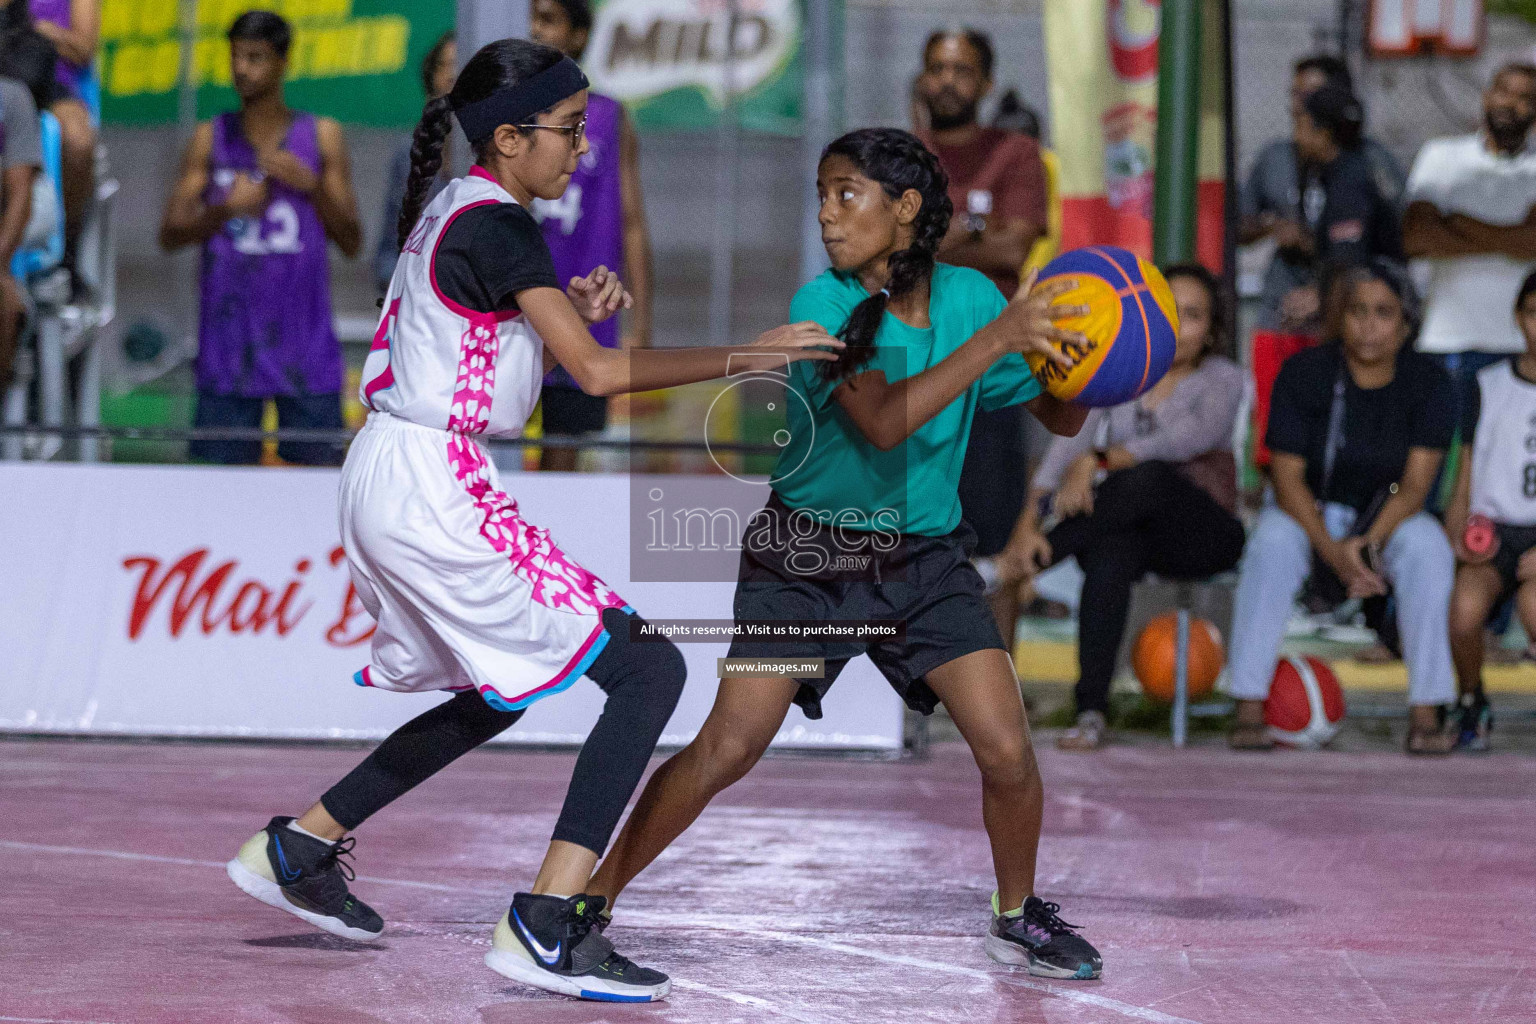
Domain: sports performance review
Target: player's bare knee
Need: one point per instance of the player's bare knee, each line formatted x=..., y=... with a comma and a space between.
x=1007, y=764
x=726, y=755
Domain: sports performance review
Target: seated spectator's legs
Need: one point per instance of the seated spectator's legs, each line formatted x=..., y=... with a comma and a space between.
x=1111, y=567
x=1275, y=565
x=214, y=410
x=1147, y=517
x=1421, y=568
x=1525, y=606
x=78, y=138
x=310, y=412
x=1477, y=590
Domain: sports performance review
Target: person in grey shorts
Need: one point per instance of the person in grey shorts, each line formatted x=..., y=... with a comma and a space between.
x=21, y=158
x=1358, y=428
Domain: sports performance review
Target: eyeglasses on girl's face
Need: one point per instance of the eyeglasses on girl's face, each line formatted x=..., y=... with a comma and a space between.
x=577, y=131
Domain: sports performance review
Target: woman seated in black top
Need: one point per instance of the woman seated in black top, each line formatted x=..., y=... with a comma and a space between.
x=1357, y=427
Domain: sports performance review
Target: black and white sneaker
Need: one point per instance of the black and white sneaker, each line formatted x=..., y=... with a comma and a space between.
x=305, y=876
x=1034, y=938
x=558, y=944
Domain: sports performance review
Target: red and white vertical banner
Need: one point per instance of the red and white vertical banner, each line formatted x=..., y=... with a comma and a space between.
x=1400, y=28
x=1102, y=59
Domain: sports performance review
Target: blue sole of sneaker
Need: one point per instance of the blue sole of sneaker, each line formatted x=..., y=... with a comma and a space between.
x=519, y=968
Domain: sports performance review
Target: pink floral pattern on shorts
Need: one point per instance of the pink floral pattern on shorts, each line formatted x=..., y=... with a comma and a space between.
x=557, y=581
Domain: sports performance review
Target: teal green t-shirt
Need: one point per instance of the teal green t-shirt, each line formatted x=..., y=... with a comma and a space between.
x=828, y=466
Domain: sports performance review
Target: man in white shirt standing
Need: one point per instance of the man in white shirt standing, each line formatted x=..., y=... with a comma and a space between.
x=1471, y=221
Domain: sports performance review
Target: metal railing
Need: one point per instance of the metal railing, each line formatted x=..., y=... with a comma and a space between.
x=93, y=432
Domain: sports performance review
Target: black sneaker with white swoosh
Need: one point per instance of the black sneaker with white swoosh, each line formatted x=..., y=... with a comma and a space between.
x=306, y=877
x=557, y=944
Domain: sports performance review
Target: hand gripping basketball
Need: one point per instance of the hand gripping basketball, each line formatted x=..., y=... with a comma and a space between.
x=1125, y=338
x=1031, y=321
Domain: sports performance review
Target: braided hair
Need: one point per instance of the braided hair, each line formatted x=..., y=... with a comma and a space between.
x=897, y=161
x=498, y=65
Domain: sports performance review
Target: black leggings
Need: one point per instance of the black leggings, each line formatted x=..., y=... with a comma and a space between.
x=1148, y=518
x=643, y=681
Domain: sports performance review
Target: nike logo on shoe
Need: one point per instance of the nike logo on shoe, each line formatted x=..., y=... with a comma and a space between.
x=550, y=957
x=282, y=863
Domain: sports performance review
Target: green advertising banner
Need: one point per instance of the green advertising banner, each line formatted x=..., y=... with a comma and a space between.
x=354, y=60
x=666, y=60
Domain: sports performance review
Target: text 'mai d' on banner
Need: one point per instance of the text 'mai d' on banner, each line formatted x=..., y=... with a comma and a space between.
x=354, y=60
x=1102, y=56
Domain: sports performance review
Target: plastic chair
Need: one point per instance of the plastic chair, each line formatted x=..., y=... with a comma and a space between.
x=90, y=93
x=59, y=325
x=28, y=266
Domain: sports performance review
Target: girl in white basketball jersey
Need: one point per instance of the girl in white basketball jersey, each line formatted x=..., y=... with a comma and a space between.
x=1492, y=517
x=470, y=597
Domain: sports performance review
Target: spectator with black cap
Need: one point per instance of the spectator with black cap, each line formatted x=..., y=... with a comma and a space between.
x=1282, y=195
x=1347, y=220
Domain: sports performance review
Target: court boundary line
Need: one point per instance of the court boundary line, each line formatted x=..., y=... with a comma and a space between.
x=655, y=920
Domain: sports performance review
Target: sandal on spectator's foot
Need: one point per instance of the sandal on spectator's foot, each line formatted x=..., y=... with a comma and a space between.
x=1087, y=734
x=1249, y=730
x=1429, y=742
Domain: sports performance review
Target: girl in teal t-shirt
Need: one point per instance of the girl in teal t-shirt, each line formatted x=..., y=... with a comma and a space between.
x=864, y=523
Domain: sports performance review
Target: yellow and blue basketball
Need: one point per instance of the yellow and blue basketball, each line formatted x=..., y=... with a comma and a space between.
x=1132, y=327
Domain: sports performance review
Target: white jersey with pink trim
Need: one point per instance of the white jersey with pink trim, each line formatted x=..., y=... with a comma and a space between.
x=466, y=593
x=441, y=364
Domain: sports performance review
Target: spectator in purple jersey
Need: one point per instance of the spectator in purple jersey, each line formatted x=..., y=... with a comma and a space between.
x=600, y=221
x=74, y=29
x=262, y=189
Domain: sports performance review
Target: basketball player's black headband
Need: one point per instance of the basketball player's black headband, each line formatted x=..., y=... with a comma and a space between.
x=517, y=104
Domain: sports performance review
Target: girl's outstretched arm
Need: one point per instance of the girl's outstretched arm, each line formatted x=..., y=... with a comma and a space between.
x=603, y=371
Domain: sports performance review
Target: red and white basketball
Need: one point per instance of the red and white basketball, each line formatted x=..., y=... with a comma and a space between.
x=1305, y=705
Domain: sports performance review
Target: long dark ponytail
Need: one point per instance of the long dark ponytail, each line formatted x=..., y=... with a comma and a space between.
x=898, y=161
x=498, y=65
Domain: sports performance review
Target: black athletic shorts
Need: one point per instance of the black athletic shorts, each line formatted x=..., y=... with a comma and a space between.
x=569, y=412
x=993, y=478
x=927, y=583
x=1514, y=541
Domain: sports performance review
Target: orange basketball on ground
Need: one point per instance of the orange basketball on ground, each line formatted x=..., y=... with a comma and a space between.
x=1156, y=652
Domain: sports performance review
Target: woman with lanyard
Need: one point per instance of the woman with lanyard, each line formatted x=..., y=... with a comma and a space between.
x=1358, y=427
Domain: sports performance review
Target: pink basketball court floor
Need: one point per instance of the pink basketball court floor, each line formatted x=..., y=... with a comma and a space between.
x=1221, y=888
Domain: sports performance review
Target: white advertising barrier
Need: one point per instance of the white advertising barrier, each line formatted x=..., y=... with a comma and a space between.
x=201, y=601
